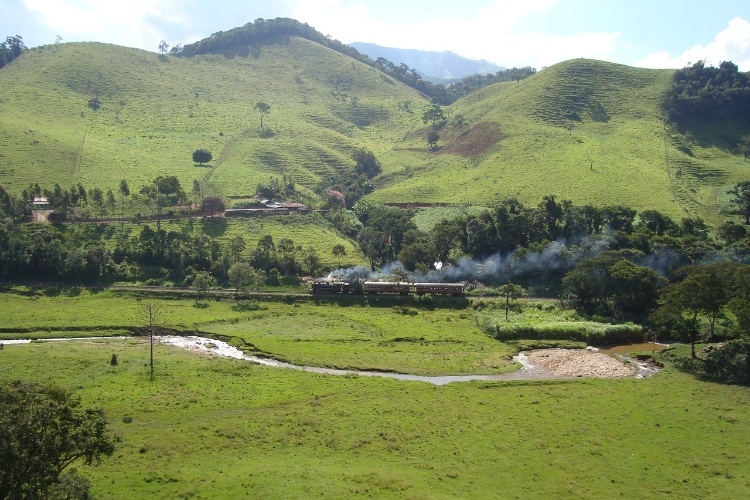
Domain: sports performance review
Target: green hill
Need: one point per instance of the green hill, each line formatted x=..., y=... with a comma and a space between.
x=155, y=111
x=588, y=131
x=584, y=130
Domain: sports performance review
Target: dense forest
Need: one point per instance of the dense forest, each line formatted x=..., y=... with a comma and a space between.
x=701, y=92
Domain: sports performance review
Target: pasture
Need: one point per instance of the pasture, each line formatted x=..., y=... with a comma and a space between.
x=212, y=427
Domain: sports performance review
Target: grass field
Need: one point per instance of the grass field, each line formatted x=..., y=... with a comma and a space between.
x=213, y=427
x=210, y=427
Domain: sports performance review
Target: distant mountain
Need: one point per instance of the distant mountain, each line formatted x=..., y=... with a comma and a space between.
x=436, y=67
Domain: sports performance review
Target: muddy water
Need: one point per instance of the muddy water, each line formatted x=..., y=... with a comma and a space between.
x=528, y=370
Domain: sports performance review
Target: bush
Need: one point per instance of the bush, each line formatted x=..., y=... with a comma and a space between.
x=600, y=334
x=730, y=363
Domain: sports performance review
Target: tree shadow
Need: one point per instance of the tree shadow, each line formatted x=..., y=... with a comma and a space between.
x=214, y=227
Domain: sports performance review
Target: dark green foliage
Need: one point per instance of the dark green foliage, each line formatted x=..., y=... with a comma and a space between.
x=201, y=156
x=729, y=363
x=475, y=82
x=611, y=285
x=383, y=232
x=700, y=93
x=283, y=188
x=602, y=335
x=705, y=291
x=263, y=109
x=10, y=206
x=367, y=163
x=741, y=200
x=10, y=49
x=43, y=430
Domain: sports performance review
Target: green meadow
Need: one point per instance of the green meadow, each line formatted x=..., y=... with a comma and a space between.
x=211, y=427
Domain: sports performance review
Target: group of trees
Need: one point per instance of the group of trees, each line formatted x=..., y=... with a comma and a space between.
x=347, y=186
x=10, y=49
x=706, y=92
x=78, y=202
x=707, y=291
x=108, y=253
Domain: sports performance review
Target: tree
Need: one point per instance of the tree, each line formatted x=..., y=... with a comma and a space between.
x=744, y=146
x=111, y=203
x=338, y=251
x=705, y=290
x=263, y=109
x=741, y=200
x=201, y=156
x=434, y=116
x=610, y=284
x=367, y=163
x=432, y=140
x=43, y=430
x=460, y=122
x=201, y=283
x=242, y=276
x=511, y=291
x=163, y=47
x=163, y=192
x=152, y=315
x=125, y=192
x=237, y=245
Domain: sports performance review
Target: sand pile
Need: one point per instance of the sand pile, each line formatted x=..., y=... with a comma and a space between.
x=580, y=363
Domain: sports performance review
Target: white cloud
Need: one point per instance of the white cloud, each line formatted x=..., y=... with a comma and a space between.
x=492, y=33
x=133, y=23
x=731, y=44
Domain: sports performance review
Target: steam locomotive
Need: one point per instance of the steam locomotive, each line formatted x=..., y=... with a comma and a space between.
x=324, y=287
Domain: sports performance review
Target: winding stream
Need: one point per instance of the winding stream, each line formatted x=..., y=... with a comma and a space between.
x=528, y=370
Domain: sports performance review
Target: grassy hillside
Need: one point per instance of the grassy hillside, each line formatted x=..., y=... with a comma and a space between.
x=154, y=112
x=584, y=130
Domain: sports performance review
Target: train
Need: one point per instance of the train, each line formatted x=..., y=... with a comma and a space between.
x=326, y=287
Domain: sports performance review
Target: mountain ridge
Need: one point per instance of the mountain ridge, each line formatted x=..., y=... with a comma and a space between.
x=436, y=66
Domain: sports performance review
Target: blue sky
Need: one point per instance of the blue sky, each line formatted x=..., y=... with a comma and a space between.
x=538, y=33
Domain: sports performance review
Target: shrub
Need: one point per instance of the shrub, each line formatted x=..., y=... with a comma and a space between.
x=589, y=332
x=729, y=363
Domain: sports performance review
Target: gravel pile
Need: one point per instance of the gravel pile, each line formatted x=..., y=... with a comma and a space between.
x=580, y=363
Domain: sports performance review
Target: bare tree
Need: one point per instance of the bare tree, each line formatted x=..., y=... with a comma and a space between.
x=152, y=315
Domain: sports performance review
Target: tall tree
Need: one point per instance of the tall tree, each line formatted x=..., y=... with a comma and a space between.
x=263, y=109
x=339, y=251
x=152, y=315
x=125, y=192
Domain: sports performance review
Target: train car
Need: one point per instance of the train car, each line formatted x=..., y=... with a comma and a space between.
x=325, y=287
x=452, y=289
